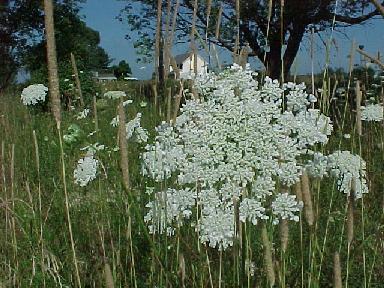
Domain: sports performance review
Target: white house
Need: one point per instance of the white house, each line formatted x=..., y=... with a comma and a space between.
x=186, y=62
x=103, y=77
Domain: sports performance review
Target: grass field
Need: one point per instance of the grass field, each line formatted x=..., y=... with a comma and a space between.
x=55, y=233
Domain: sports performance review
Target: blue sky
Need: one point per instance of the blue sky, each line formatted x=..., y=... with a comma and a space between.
x=101, y=16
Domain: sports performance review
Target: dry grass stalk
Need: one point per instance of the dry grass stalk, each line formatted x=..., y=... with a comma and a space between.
x=123, y=147
x=235, y=53
x=378, y=6
x=181, y=271
x=168, y=44
x=208, y=14
x=217, y=35
x=298, y=192
x=350, y=213
x=53, y=77
x=166, y=40
x=109, y=283
x=373, y=59
x=307, y=199
x=158, y=38
x=155, y=96
x=177, y=104
x=359, y=125
x=284, y=234
x=193, y=32
x=95, y=114
x=337, y=282
x=77, y=79
x=268, y=261
x=174, y=66
x=169, y=104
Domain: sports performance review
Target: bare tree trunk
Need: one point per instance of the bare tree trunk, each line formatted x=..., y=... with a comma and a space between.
x=53, y=76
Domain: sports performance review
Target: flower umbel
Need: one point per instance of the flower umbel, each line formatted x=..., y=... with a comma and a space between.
x=86, y=170
x=33, y=94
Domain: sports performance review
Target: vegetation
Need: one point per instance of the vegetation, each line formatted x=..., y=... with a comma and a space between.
x=229, y=179
x=262, y=26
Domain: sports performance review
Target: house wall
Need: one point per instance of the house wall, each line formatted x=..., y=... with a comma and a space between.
x=188, y=66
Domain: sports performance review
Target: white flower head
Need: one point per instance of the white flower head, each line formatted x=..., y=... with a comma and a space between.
x=372, y=112
x=33, y=94
x=286, y=207
x=83, y=114
x=115, y=94
x=86, y=170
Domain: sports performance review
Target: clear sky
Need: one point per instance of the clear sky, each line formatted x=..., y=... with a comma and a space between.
x=101, y=16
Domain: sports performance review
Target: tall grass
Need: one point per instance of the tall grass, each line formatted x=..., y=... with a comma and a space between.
x=57, y=234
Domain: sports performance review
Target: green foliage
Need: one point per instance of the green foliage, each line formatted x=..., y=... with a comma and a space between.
x=107, y=222
x=265, y=36
x=68, y=88
x=122, y=70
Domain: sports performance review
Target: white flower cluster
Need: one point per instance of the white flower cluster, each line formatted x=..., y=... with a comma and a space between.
x=33, y=94
x=349, y=169
x=235, y=144
x=134, y=128
x=168, y=208
x=114, y=94
x=286, y=207
x=83, y=114
x=115, y=121
x=372, y=112
x=86, y=170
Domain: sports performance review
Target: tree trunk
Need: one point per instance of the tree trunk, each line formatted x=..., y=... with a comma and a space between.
x=53, y=77
x=273, y=60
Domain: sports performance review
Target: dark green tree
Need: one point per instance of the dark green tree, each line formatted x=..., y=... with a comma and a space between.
x=272, y=30
x=22, y=40
x=122, y=70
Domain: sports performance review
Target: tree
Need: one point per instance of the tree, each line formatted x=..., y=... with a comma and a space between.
x=72, y=36
x=122, y=70
x=18, y=22
x=22, y=40
x=272, y=29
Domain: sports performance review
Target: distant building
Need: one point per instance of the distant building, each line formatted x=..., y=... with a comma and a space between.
x=103, y=77
x=186, y=62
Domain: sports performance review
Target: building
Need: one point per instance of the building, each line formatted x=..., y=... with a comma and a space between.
x=185, y=63
x=103, y=77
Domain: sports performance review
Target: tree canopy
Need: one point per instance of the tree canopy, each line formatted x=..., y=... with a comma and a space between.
x=272, y=29
x=23, y=29
x=121, y=70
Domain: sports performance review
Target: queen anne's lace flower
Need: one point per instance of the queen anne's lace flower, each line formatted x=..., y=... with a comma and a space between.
x=86, y=170
x=134, y=128
x=83, y=114
x=286, y=207
x=348, y=169
x=252, y=210
x=372, y=112
x=114, y=94
x=33, y=94
x=234, y=144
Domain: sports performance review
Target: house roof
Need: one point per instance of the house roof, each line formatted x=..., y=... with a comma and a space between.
x=181, y=58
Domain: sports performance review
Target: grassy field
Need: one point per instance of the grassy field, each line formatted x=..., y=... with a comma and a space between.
x=55, y=233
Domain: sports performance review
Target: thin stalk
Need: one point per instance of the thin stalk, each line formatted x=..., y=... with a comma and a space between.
x=67, y=208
